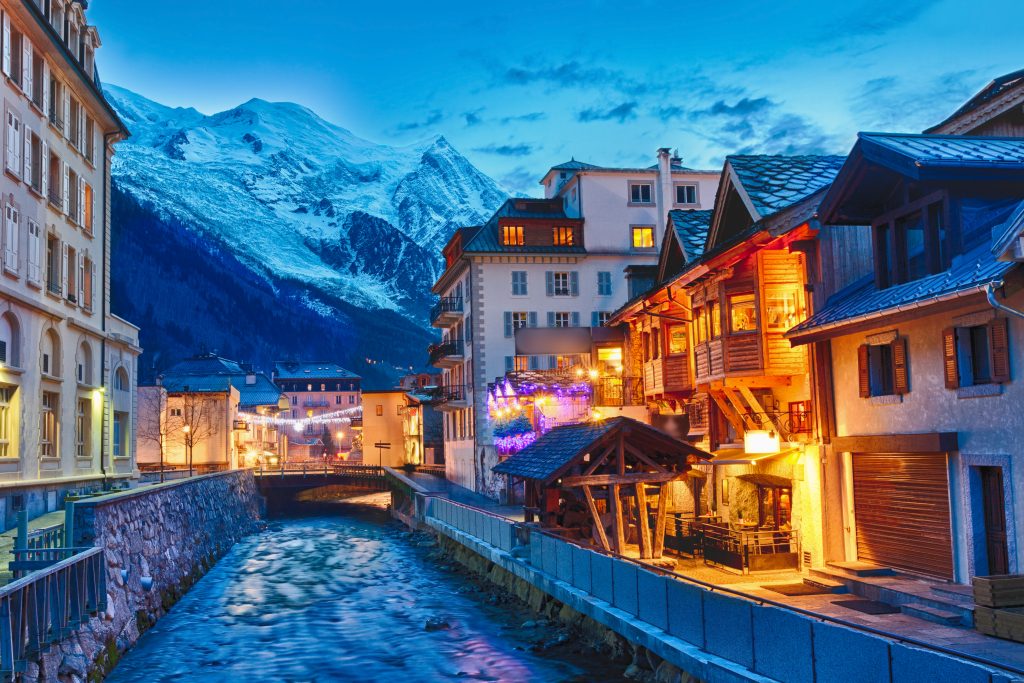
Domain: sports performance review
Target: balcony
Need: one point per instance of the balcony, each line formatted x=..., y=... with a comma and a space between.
x=315, y=403
x=668, y=375
x=446, y=312
x=618, y=391
x=453, y=397
x=447, y=354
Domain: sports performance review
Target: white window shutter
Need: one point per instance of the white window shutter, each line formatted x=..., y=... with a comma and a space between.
x=19, y=146
x=575, y=318
x=80, y=142
x=28, y=155
x=7, y=44
x=92, y=286
x=81, y=280
x=46, y=88
x=64, y=270
x=81, y=202
x=66, y=196
x=11, y=138
x=26, y=66
x=67, y=114
x=33, y=252
x=44, y=172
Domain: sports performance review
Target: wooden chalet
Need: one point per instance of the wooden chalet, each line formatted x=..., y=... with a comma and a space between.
x=602, y=481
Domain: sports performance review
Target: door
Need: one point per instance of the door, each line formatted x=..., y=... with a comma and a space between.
x=994, y=513
x=901, y=511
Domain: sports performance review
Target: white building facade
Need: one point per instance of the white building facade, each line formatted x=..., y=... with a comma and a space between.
x=68, y=368
x=555, y=262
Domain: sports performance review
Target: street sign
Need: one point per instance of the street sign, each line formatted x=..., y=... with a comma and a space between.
x=382, y=444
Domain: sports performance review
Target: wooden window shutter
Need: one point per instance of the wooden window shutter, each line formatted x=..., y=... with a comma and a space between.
x=549, y=283
x=950, y=370
x=863, y=373
x=533, y=319
x=551, y=319
x=574, y=283
x=999, y=345
x=900, y=372
x=508, y=323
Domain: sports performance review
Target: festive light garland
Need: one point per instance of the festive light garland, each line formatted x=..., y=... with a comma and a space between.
x=300, y=423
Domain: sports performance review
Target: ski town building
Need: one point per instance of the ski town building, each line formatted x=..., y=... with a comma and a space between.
x=67, y=365
x=312, y=390
x=565, y=261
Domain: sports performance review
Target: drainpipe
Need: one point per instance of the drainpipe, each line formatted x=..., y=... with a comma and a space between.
x=107, y=398
x=990, y=292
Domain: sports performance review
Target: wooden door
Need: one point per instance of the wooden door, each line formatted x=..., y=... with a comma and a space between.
x=994, y=513
x=901, y=510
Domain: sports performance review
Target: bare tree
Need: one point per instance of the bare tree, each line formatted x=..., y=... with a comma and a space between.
x=191, y=422
x=152, y=425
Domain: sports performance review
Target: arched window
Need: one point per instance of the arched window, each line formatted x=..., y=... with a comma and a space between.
x=83, y=368
x=50, y=353
x=121, y=382
x=10, y=340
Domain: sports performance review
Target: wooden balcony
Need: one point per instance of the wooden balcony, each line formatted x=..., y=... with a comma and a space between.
x=667, y=375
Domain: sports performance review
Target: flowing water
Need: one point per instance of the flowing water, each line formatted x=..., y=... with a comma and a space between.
x=343, y=595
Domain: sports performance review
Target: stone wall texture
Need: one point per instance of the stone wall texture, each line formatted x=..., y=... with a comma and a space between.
x=169, y=534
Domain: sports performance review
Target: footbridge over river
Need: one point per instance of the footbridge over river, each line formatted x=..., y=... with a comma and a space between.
x=292, y=479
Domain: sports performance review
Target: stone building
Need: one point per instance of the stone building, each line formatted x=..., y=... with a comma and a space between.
x=67, y=365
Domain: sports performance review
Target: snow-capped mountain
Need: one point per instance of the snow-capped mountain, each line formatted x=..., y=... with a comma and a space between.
x=327, y=224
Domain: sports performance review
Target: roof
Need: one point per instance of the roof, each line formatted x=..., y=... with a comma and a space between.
x=205, y=364
x=208, y=373
x=263, y=393
x=775, y=182
x=993, y=90
x=486, y=239
x=922, y=150
x=311, y=370
x=549, y=454
x=970, y=273
x=691, y=229
x=1004, y=236
x=573, y=165
x=195, y=384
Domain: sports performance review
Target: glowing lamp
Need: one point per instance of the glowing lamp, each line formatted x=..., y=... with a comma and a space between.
x=579, y=372
x=298, y=426
x=596, y=416
x=592, y=373
x=760, y=442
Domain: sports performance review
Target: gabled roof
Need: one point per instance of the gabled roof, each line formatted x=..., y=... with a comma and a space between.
x=196, y=384
x=1006, y=236
x=486, y=239
x=969, y=274
x=262, y=393
x=996, y=89
x=573, y=165
x=690, y=227
x=208, y=373
x=774, y=182
x=311, y=370
x=918, y=151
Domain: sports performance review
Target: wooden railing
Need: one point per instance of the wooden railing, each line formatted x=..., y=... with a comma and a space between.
x=46, y=606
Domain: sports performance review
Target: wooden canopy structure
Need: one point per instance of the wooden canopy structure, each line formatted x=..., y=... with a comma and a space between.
x=602, y=471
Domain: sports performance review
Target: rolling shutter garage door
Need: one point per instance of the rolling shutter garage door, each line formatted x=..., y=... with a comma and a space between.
x=901, y=507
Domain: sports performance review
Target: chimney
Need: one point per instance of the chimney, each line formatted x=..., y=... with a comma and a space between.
x=666, y=190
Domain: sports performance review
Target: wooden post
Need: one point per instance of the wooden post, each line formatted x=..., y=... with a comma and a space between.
x=643, y=523
x=616, y=503
x=659, y=521
x=597, y=518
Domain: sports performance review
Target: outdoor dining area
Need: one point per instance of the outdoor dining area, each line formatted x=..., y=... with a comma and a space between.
x=739, y=546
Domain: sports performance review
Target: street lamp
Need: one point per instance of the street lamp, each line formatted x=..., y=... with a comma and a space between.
x=187, y=429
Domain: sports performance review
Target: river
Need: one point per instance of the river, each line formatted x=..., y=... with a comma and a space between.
x=341, y=593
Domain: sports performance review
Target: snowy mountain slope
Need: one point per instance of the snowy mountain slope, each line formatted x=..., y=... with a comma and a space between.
x=275, y=181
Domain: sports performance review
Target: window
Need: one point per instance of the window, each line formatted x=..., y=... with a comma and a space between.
x=686, y=194
x=72, y=206
x=715, y=319
x=561, y=281
x=337, y=399
x=56, y=112
x=519, y=283
x=782, y=308
x=976, y=355
x=562, y=319
x=323, y=387
x=83, y=420
x=88, y=278
x=295, y=400
x=6, y=394
x=380, y=410
x=677, y=340
x=520, y=363
x=38, y=81
x=643, y=237
x=48, y=428
x=351, y=400
x=87, y=207
x=75, y=124
x=882, y=368
x=910, y=243
x=72, y=275
x=512, y=235
x=14, y=143
x=604, y=283
x=90, y=140
x=601, y=318
x=53, y=256
x=800, y=417
x=17, y=52
x=54, y=181
x=563, y=237
x=520, y=319
x=35, y=170
x=175, y=412
x=11, y=222
x=121, y=449
x=700, y=316
x=742, y=313
x=121, y=381
x=640, y=193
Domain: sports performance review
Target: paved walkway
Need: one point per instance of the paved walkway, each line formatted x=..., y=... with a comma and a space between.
x=900, y=625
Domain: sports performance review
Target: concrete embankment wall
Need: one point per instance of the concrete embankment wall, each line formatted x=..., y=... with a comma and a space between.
x=711, y=635
x=158, y=541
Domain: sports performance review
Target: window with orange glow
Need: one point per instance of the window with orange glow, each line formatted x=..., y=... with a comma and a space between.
x=512, y=235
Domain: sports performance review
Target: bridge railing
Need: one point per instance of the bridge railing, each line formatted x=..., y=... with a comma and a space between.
x=493, y=529
x=322, y=469
x=45, y=606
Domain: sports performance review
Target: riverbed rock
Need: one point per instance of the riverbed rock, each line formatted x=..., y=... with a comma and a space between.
x=436, y=624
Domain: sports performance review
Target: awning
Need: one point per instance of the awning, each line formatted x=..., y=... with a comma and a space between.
x=532, y=341
x=761, y=479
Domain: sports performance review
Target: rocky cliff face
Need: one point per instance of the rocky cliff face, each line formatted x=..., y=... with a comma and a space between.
x=267, y=214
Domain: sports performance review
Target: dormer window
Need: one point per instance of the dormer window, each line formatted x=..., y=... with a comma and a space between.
x=563, y=237
x=910, y=242
x=641, y=193
x=512, y=235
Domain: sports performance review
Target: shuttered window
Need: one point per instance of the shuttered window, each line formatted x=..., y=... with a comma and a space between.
x=976, y=355
x=883, y=369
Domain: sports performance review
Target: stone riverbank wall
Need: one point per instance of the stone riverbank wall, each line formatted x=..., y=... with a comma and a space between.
x=694, y=632
x=158, y=541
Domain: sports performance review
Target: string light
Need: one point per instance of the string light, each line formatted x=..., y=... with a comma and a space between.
x=342, y=417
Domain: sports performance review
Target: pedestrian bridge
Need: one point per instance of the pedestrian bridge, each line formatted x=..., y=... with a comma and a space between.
x=296, y=477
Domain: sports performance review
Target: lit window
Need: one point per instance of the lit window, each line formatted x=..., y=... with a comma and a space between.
x=701, y=317
x=742, y=313
x=82, y=422
x=564, y=237
x=643, y=237
x=686, y=194
x=640, y=193
x=782, y=309
x=48, y=432
x=5, y=421
x=521, y=363
x=380, y=410
x=520, y=319
x=603, y=317
x=512, y=235
x=677, y=340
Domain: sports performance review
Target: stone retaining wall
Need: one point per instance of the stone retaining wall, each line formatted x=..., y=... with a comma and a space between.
x=158, y=541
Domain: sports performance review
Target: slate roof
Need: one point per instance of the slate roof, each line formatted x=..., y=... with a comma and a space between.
x=556, y=449
x=573, y=165
x=994, y=89
x=206, y=364
x=774, y=182
x=314, y=370
x=263, y=393
x=950, y=150
x=197, y=384
x=968, y=273
x=208, y=373
x=691, y=228
x=1003, y=236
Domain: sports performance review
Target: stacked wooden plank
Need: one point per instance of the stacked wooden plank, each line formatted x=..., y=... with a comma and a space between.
x=999, y=606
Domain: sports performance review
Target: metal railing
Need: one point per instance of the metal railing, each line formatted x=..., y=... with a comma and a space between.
x=46, y=606
x=447, y=304
x=619, y=391
x=356, y=470
x=453, y=392
x=449, y=348
x=315, y=403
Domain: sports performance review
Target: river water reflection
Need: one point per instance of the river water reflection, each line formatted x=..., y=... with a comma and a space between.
x=340, y=596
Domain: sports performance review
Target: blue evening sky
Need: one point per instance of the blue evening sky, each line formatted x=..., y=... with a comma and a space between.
x=518, y=87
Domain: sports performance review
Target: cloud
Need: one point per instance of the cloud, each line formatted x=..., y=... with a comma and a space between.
x=516, y=150
x=523, y=118
x=476, y=118
x=743, y=108
x=891, y=103
x=521, y=180
x=875, y=17
x=573, y=74
x=621, y=113
x=473, y=118
x=432, y=119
